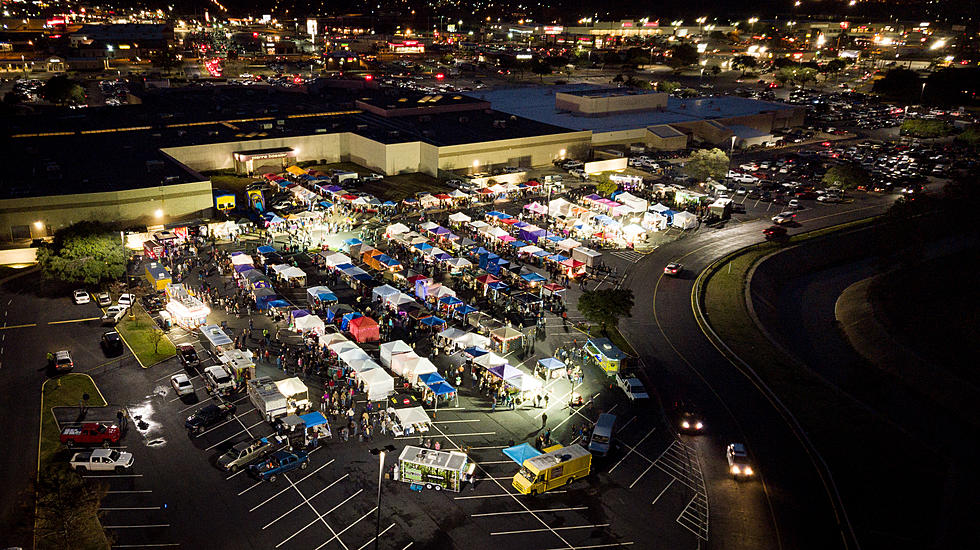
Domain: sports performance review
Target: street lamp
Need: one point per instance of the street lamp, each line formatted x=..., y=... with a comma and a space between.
x=731, y=153
x=381, y=468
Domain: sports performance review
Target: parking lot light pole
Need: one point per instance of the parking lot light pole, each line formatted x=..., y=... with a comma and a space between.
x=381, y=468
x=731, y=153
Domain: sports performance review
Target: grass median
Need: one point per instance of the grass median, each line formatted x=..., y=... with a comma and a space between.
x=859, y=445
x=56, y=483
x=149, y=344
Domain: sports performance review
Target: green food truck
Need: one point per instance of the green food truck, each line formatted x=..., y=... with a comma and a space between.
x=434, y=469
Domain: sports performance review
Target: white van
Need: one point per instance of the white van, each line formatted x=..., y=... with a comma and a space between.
x=602, y=434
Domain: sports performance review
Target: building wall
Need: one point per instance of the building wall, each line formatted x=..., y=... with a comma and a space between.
x=403, y=158
x=539, y=150
x=672, y=143
x=218, y=156
x=429, y=159
x=366, y=152
x=602, y=105
x=57, y=211
x=619, y=137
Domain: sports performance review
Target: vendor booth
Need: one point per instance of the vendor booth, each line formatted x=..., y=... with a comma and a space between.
x=390, y=349
x=214, y=339
x=320, y=296
x=506, y=339
x=378, y=384
x=364, y=329
x=434, y=469
x=550, y=368
x=183, y=309
x=157, y=276
x=296, y=393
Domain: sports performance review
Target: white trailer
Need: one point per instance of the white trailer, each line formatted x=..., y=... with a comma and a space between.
x=265, y=395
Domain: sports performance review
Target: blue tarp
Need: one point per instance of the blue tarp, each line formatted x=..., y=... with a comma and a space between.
x=498, y=286
x=326, y=297
x=313, y=419
x=476, y=351
x=279, y=303
x=557, y=258
x=342, y=267
x=433, y=321
x=348, y=317
x=422, y=246
x=555, y=239
x=518, y=244
x=265, y=249
x=388, y=203
x=542, y=254
x=520, y=453
x=353, y=241
x=441, y=388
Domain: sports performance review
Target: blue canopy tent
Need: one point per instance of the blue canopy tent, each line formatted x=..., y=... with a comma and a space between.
x=297, y=313
x=265, y=302
x=551, y=363
x=475, y=351
x=440, y=389
x=363, y=276
x=431, y=378
x=498, y=286
x=449, y=302
x=388, y=203
x=433, y=321
x=347, y=318
x=462, y=311
x=326, y=204
x=533, y=278
x=265, y=249
x=342, y=267
x=494, y=214
x=542, y=254
x=518, y=244
x=422, y=247
x=326, y=297
x=557, y=258
x=278, y=303
x=521, y=224
x=555, y=238
x=520, y=453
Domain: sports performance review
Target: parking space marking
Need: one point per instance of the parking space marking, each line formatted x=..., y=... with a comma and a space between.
x=557, y=401
x=300, y=504
x=408, y=545
x=266, y=501
x=112, y=475
x=523, y=531
x=455, y=421
x=5, y=327
x=632, y=450
x=543, y=510
x=230, y=420
x=490, y=447
x=495, y=462
x=169, y=375
x=672, y=480
x=73, y=321
x=234, y=435
x=256, y=484
x=623, y=427
x=483, y=496
x=160, y=545
x=337, y=536
x=594, y=546
x=238, y=418
x=447, y=436
x=128, y=492
x=372, y=539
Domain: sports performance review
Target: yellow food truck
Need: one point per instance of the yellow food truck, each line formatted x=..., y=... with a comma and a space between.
x=557, y=467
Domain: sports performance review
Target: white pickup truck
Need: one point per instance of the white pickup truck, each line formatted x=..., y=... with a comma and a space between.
x=218, y=379
x=102, y=460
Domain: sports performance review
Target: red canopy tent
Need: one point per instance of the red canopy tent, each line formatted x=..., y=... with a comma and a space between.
x=487, y=279
x=364, y=329
x=509, y=221
x=413, y=278
x=443, y=197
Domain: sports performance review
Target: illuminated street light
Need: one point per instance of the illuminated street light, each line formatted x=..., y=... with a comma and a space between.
x=158, y=213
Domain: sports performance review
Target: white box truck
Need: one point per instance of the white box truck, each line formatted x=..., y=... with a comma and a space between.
x=265, y=395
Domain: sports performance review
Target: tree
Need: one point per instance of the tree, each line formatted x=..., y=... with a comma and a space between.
x=67, y=509
x=707, y=163
x=901, y=84
x=166, y=59
x=667, y=86
x=683, y=55
x=86, y=252
x=846, y=176
x=970, y=136
x=61, y=90
x=744, y=62
x=802, y=75
x=836, y=65
x=541, y=69
x=606, y=306
x=605, y=186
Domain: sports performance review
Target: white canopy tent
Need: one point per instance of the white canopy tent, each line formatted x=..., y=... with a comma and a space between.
x=364, y=365
x=331, y=339
x=490, y=360
x=390, y=349
x=474, y=339
x=412, y=415
x=403, y=361
x=292, y=272
x=459, y=217
x=310, y=323
x=568, y=244
x=342, y=346
x=242, y=259
x=420, y=367
x=383, y=291
x=378, y=384
x=685, y=220
x=336, y=259
x=351, y=356
x=479, y=224
x=396, y=229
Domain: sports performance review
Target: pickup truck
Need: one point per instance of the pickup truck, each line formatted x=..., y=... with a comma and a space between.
x=218, y=380
x=279, y=463
x=90, y=433
x=632, y=386
x=101, y=460
x=247, y=452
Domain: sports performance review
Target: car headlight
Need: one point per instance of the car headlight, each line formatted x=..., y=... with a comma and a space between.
x=698, y=426
x=735, y=470
x=685, y=424
x=748, y=470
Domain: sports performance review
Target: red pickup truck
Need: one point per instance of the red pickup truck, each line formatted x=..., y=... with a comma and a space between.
x=90, y=433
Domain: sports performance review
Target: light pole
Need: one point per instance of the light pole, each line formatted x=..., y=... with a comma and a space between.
x=381, y=468
x=922, y=93
x=731, y=153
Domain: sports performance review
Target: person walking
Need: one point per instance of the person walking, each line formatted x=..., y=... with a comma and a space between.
x=544, y=420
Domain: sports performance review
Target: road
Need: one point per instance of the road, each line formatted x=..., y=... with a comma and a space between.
x=682, y=363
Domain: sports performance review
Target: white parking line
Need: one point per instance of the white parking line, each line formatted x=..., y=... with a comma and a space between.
x=128, y=492
x=562, y=400
x=637, y=480
x=238, y=418
x=593, y=546
x=543, y=510
x=408, y=545
x=165, y=376
x=158, y=545
x=266, y=526
x=490, y=447
x=447, y=436
x=621, y=428
x=455, y=421
x=483, y=496
x=522, y=531
x=386, y=529
x=672, y=480
x=113, y=475
x=226, y=422
x=337, y=536
x=256, y=484
x=236, y=434
x=482, y=462
x=632, y=449
x=266, y=501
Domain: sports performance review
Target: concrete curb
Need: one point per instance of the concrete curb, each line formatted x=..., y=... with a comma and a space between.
x=846, y=530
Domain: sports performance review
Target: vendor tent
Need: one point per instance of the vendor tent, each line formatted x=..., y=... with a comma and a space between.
x=378, y=384
x=403, y=361
x=390, y=349
x=332, y=338
x=420, y=367
x=685, y=220
x=411, y=416
x=354, y=355
x=364, y=329
x=310, y=323
x=459, y=217
x=520, y=453
x=320, y=295
x=383, y=291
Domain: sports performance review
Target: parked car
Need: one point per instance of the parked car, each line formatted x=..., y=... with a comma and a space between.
x=218, y=379
x=103, y=299
x=182, y=384
x=126, y=300
x=81, y=297
x=774, y=232
x=738, y=461
x=208, y=416
x=246, y=452
x=90, y=433
x=188, y=356
x=632, y=386
x=101, y=460
x=278, y=463
x=113, y=315
x=673, y=268
x=112, y=343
